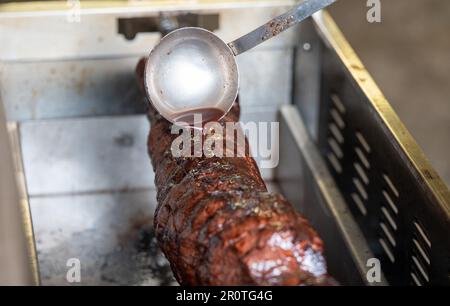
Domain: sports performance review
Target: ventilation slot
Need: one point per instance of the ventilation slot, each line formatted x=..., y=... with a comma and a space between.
x=418, y=266
x=387, y=216
x=415, y=280
x=360, y=179
x=337, y=118
x=387, y=233
x=359, y=186
x=359, y=203
x=361, y=172
x=420, y=259
x=387, y=250
x=422, y=234
x=338, y=103
x=391, y=185
x=335, y=135
x=335, y=148
x=388, y=219
x=363, y=142
x=335, y=162
x=362, y=157
x=390, y=202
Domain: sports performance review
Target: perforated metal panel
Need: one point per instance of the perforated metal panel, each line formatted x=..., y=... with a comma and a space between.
x=396, y=197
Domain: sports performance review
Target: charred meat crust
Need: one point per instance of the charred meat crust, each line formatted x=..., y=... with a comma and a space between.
x=217, y=224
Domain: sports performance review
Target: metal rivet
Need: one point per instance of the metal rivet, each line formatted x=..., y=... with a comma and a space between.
x=307, y=47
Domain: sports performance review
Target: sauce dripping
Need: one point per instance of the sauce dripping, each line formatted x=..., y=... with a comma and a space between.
x=199, y=116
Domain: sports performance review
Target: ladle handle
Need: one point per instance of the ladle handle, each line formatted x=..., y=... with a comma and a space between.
x=278, y=25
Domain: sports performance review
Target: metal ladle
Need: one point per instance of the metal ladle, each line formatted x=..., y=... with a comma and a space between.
x=192, y=70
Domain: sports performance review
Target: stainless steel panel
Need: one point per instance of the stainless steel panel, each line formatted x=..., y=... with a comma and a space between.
x=40, y=90
x=399, y=201
x=307, y=74
x=265, y=77
x=110, y=234
x=258, y=115
x=304, y=179
x=91, y=194
x=86, y=155
x=86, y=68
x=55, y=89
x=98, y=154
x=26, y=36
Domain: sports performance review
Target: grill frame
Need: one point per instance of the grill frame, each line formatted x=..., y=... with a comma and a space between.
x=399, y=199
x=324, y=64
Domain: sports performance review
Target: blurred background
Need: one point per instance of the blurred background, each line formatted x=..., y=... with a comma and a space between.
x=408, y=55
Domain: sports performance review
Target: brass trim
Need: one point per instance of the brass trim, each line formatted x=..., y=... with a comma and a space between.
x=423, y=170
x=62, y=6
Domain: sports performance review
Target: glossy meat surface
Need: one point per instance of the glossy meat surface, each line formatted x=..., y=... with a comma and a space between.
x=218, y=225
